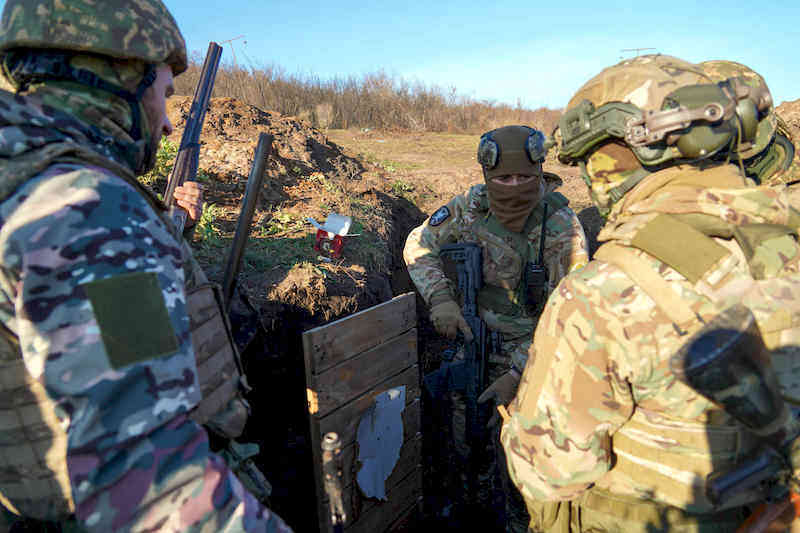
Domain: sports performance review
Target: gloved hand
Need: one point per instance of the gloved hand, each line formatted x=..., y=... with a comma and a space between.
x=448, y=320
x=502, y=391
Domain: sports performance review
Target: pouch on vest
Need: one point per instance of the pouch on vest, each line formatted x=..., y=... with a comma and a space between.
x=34, y=481
x=531, y=288
x=690, y=249
x=218, y=365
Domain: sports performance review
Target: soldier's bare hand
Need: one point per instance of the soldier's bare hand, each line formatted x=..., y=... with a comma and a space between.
x=190, y=197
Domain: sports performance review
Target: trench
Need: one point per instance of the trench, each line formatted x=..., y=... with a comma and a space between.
x=274, y=364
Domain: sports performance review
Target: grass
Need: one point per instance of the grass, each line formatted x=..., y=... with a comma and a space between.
x=207, y=234
x=281, y=222
x=165, y=159
x=264, y=253
x=402, y=188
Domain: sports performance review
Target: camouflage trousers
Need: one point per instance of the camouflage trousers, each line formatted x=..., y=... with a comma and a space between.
x=496, y=496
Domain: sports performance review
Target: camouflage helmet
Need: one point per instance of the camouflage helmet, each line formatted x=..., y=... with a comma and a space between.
x=664, y=109
x=719, y=70
x=122, y=29
x=651, y=111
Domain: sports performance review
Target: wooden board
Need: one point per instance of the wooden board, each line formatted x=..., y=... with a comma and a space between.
x=348, y=363
x=344, y=420
x=344, y=338
x=378, y=516
x=344, y=382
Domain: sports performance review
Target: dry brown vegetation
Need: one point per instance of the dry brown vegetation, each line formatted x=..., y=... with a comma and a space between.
x=374, y=100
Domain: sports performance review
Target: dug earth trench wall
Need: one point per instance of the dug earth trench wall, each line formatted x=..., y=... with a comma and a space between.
x=285, y=279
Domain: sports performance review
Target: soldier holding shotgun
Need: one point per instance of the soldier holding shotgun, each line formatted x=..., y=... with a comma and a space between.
x=102, y=402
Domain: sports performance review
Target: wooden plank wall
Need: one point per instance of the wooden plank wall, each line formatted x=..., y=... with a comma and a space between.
x=348, y=363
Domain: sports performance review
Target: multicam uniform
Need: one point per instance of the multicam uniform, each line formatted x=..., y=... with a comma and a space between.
x=468, y=219
x=601, y=436
x=97, y=363
x=598, y=405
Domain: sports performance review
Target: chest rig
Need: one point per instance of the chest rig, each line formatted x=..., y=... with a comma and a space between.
x=690, y=245
x=515, y=276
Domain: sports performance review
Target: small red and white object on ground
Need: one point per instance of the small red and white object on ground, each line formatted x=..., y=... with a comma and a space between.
x=331, y=234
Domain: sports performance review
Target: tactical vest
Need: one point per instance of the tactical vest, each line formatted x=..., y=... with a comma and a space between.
x=505, y=256
x=34, y=481
x=219, y=369
x=717, y=442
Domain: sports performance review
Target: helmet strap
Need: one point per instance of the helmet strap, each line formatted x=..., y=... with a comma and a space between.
x=630, y=182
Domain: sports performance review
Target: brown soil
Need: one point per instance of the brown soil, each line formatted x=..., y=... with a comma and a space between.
x=387, y=183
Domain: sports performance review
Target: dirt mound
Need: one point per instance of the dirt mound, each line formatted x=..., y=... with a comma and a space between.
x=293, y=286
x=307, y=175
x=790, y=113
x=230, y=134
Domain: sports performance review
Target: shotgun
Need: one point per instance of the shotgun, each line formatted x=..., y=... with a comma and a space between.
x=187, y=161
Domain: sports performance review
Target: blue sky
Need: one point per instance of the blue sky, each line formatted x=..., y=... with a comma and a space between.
x=538, y=52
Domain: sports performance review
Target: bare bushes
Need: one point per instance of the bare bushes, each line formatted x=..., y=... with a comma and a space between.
x=374, y=100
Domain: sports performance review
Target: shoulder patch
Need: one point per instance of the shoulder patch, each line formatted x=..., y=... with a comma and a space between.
x=133, y=318
x=439, y=216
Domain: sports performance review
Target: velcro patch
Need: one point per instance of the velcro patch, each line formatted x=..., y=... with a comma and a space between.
x=439, y=216
x=133, y=318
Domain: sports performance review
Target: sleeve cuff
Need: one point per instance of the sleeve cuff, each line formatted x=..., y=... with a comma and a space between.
x=442, y=295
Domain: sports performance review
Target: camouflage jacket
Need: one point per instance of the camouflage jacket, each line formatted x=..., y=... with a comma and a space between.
x=598, y=403
x=96, y=353
x=466, y=221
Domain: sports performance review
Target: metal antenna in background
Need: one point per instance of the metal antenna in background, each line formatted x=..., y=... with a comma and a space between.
x=235, y=64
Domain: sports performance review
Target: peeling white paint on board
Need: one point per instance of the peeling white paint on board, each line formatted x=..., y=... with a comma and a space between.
x=380, y=437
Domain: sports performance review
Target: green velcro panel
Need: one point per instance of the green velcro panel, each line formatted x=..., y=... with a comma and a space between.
x=679, y=245
x=133, y=318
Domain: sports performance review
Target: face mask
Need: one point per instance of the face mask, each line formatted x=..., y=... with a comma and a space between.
x=512, y=204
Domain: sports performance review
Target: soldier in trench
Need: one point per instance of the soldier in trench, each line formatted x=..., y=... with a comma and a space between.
x=103, y=431
x=505, y=216
x=601, y=436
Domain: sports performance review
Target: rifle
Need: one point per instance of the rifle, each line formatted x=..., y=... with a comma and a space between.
x=187, y=161
x=467, y=376
x=728, y=363
x=469, y=264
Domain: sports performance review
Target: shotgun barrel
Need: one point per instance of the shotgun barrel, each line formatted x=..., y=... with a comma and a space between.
x=187, y=161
